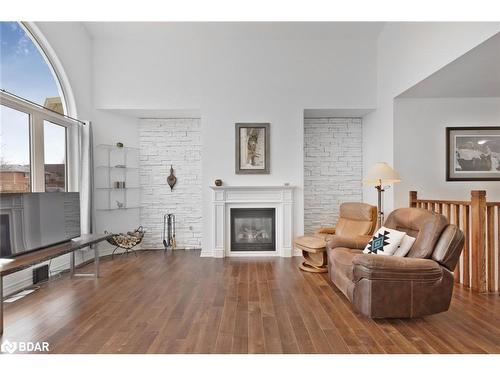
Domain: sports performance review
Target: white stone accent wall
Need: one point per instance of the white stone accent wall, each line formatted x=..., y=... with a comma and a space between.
x=332, y=168
x=164, y=142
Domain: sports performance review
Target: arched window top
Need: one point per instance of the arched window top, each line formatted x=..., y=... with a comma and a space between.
x=25, y=70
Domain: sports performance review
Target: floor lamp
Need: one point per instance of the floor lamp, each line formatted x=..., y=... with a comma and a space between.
x=379, y=175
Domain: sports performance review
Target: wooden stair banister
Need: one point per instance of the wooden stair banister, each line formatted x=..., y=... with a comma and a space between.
x=477, y=268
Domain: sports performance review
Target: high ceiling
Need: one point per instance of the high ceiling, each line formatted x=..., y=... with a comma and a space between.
x=235, y=30
x=475, y=74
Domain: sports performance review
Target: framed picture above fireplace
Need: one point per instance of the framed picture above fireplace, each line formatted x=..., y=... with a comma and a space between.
x=473, y=153
x=252, y=148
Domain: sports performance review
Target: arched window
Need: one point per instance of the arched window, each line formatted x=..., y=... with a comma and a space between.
x=33, y=153
x=25, y=69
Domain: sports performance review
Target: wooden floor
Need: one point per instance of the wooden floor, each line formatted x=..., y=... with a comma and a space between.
x=181, y=303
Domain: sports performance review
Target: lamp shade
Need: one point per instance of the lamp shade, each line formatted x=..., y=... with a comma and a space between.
x=381, y=172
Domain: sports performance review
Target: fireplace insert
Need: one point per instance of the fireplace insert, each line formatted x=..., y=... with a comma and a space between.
x=253, y=229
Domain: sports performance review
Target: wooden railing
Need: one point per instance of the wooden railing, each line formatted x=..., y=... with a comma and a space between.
x=480, y=260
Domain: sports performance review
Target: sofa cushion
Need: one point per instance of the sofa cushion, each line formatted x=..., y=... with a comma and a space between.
x=384, y=242
x=424, y=225
x=405, y=246
x=449, y=247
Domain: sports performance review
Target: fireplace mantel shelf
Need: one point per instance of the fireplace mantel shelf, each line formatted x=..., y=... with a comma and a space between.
x=224, y=198
x=244, y=187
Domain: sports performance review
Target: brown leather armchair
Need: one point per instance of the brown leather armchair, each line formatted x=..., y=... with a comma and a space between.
x=399, y=287
x=355, y=219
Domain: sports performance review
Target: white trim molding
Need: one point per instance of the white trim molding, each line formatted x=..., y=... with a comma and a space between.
x=281, y=198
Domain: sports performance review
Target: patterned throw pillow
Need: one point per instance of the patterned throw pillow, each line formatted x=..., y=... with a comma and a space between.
x=384, y=242
x=405, y=246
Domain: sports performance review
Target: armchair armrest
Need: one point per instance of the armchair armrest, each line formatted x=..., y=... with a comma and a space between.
x=355, y=242
x=381, y=267
x=326, y=230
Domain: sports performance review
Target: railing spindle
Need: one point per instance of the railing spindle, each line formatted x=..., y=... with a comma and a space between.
x=466, y=252
x=478, y=235
x=490, y=212
x=498, y=248
x=456, y=221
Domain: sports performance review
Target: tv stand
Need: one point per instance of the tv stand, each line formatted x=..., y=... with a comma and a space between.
x=30, y=259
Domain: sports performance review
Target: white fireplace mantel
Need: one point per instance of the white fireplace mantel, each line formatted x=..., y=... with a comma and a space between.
x=226, y=197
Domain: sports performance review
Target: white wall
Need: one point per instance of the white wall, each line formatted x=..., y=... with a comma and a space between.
x=420, y=145
x=408, y=53
x=239, y=80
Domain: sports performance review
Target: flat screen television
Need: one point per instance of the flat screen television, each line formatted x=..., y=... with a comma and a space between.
x=31, y=221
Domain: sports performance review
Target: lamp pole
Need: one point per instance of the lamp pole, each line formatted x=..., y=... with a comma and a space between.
x=380, y=216
x=377, y=175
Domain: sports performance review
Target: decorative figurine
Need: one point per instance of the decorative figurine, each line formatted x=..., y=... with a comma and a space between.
x=218, y=182
x=171, y=180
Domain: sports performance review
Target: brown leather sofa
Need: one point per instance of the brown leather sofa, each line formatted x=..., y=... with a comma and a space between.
x=399, y=287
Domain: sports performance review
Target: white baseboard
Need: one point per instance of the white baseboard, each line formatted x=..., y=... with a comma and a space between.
x=13, y=287
x=206, y=253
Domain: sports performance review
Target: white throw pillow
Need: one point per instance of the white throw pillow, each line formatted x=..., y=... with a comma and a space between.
x=384, y=242
x=405, y=246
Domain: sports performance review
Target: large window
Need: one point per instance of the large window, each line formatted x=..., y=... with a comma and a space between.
x=54, y=137
x=34, y=141
x=14, y=151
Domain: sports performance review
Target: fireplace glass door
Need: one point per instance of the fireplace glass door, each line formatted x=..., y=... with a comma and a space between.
x=253, y=229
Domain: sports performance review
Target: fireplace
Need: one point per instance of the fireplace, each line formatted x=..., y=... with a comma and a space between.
x=277, y=200
x=253, y=229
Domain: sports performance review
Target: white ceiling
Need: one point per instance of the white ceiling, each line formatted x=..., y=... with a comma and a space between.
x=235, y=30
x=475, y=74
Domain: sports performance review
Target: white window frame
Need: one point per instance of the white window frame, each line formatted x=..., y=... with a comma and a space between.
x=37, y=116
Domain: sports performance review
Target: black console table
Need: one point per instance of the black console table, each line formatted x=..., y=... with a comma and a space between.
x=28, y=260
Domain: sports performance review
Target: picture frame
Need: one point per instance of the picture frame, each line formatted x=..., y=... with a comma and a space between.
x=252, y=154
x=473, y=153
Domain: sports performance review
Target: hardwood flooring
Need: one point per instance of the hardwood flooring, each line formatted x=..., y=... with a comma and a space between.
x=181, y=303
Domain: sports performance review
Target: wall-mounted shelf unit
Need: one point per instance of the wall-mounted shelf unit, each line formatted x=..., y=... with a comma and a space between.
x=116, y=165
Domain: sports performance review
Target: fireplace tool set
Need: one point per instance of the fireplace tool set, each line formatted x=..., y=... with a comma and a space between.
x=169, y=241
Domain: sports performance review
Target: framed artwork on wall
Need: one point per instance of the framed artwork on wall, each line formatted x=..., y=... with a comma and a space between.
x=473, y=153
x=252, y=148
